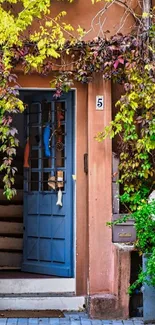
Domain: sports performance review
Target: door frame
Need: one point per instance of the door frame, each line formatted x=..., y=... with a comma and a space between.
x=74, y=90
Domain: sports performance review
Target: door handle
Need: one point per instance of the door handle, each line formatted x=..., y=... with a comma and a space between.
x=86, y=163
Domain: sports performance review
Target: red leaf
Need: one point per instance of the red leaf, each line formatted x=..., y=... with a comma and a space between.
x=116, y=64
x=121, y=60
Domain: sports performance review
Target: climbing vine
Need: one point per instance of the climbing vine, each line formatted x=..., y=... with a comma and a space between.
x=125, y=59
x=34, y=52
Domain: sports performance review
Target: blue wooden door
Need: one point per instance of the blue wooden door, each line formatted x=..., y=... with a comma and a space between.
x=48, y=228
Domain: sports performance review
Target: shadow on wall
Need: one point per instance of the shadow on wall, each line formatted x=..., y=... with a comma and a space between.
x=136, y=299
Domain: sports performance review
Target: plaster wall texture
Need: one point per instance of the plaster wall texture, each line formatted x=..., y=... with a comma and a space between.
x=101, y=269
x=83, y=13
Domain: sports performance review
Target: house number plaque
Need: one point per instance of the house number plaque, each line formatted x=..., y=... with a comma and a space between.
x=99, y=103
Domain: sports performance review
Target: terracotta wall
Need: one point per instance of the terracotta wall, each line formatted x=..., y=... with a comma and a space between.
x=100, y=203
x=96, y=257
x=83, y=13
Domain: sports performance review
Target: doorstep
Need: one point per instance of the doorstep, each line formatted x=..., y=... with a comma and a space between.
x=37, y=286
x=39, y=294
x=42, y=303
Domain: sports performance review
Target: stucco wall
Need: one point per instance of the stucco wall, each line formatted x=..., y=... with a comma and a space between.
x=83, y=13
x=96, y=258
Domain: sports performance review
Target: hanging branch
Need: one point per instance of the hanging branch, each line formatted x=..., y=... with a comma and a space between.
x=146, y=18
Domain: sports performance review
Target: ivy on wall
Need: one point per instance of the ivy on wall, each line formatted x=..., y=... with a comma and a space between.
x=34, y=51
x=126, y=59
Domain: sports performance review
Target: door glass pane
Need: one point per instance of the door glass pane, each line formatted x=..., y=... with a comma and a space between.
x=46, y=112
x=34, y=113
x=34, y=183
x=60, y=147
x=46, y=162
x=60, y=111
x=34, y=136
x=60, y=134
x=46, y=178
x=34, y=159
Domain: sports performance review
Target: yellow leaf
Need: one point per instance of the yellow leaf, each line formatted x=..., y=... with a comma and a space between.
x=145, y=15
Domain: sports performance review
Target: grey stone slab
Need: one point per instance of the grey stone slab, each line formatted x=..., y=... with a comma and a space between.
x=64, y=321
x=3, y=321
x=67, y=315
x=138, y=322
x=137, y=319
x=75, y=316
x=86, y=321
x=43, y=321
x=33, y=321
x=11, y=321
x=128, y=322
x=83, y=315
x=54, y=321
x=74, y=322
x=22, y=321
x=96, y=322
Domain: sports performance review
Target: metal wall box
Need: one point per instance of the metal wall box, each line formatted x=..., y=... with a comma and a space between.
x=122, y=232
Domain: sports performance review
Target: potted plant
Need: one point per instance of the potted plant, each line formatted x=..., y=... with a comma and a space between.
x=144, y=222
x=144, y=218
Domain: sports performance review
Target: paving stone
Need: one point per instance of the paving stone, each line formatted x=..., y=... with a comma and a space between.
x=137, y=319
x=3, y=321
x=75, y=317
x=43, y=321
x=83, y=315
x=96, y=322
x=67, y=315
x=86, y=321
x=54, y=321
x=22, y=321
x=64, y=321
x=71, y=318
x=33, y=321
x=74, y=322
x=117, y=322
x=11, y=321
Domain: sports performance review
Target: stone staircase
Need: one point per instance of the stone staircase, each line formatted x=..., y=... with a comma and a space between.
x=11, y=223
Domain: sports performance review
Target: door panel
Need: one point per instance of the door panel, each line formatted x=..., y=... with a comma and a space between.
x=48, y=228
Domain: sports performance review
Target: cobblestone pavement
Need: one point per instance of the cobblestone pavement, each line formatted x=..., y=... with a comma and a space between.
x=70, y=319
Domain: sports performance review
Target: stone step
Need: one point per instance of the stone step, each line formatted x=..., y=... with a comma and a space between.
x=42, y=303
x=11, y=228
x=18, y=198
x=11, y=244
x=31, y=285
x=11, y=211
x=10, y=260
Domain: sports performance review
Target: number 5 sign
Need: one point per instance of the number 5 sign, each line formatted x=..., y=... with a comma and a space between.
x=99, y=103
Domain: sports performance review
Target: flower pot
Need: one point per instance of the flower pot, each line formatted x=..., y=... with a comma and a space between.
x=148, y=298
